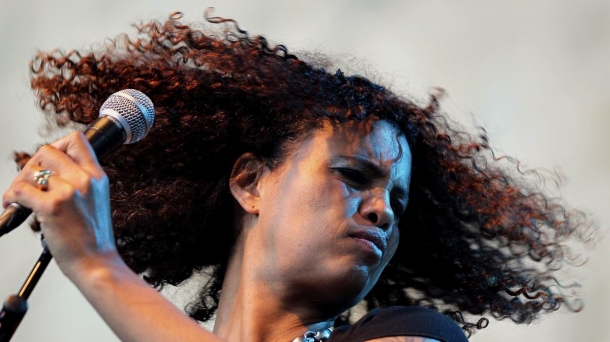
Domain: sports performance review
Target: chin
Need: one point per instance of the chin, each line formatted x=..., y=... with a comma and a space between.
x=346, y=290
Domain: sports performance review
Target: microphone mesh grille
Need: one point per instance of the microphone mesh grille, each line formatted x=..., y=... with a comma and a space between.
x=136, y=108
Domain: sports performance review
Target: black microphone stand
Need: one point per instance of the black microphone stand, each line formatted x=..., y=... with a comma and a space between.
x=16, y=305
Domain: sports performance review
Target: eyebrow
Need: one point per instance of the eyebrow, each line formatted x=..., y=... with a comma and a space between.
x=372, y=169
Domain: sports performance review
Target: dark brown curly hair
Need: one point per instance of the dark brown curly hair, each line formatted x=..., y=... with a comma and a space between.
x=479, y=236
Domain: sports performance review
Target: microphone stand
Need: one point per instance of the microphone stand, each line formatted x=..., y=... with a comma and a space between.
x=16, y=305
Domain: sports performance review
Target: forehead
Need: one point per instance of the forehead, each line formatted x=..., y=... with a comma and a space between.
x=373, y=139
x=377, y=141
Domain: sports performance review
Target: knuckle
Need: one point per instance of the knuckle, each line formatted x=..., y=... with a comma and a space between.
x=84, y=179
x=18, y=188
x=6, y=197
x=44, y=149
x=13, y=192
x=68, y=194
x=85, y=187
x=43, y=152
x=52, y=207
x=76, y=138
x=79, y=136
x=31, y=165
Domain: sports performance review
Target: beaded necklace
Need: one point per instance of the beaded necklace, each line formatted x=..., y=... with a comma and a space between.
x=314, y=336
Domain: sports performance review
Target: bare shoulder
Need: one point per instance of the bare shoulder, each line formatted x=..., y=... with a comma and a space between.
x=403, y=339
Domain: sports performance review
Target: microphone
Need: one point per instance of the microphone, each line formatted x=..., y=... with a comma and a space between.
x=125, y=118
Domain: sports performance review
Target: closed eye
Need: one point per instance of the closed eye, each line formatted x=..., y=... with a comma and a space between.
x=356, y=178
x=359, y=180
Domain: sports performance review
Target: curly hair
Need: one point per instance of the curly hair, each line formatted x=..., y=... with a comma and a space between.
x=479, y=237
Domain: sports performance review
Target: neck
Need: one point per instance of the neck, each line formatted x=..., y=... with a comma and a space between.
x=254, y=309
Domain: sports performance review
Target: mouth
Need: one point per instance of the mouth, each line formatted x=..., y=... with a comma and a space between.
x=371, y=238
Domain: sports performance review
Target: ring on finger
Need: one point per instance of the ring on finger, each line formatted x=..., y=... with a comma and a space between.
x=42, y=179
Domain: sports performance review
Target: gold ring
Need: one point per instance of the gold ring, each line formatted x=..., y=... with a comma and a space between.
x=42, y=179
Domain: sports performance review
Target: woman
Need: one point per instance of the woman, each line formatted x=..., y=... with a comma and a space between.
x=314, y=191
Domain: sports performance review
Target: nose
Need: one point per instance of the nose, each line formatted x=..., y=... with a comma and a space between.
x=377, y=209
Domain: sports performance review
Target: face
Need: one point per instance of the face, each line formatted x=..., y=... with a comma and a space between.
x=328, y=215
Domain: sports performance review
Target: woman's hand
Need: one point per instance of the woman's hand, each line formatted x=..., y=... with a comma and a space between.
x=74, y=210
x=74, y=214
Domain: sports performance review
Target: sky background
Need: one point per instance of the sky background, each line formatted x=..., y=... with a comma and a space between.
x=534, y=73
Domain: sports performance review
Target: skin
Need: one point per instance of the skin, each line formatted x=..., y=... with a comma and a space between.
x=303, y=255
x=297, y=260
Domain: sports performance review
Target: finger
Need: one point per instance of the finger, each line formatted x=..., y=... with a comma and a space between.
x=45, y=204
x=50, y=158
x=25, y=194
x=78, y=148
x=60, y=164
x=26, y=186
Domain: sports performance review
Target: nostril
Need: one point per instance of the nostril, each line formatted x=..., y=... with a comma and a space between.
x=373, y=217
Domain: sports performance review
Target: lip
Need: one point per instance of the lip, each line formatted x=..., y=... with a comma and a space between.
x=373, y=236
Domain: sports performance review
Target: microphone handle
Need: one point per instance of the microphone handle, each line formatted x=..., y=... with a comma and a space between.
x=12, y=217
x=104, y=135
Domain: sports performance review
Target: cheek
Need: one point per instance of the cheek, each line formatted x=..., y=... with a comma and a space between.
x=350, y=198
x=300, y=203
x=325, y=195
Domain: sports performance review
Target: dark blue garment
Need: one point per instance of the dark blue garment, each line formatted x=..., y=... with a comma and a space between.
x=400, y=321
